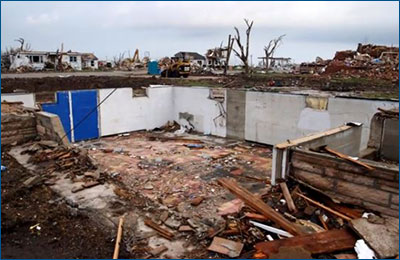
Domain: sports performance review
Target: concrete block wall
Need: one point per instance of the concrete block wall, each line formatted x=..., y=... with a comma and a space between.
x=263, y=117
x=17, y=128
x=49, y=126
x=376, y=190
x=208, y=115
x=122, y=112
x=273, y=118
x=28, y=99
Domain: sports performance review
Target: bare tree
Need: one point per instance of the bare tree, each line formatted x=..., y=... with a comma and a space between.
x=244, y=51
x=228, y=55
x=118, y=59
x=270, y=49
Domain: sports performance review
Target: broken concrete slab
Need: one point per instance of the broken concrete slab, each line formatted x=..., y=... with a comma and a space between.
x=382, y=238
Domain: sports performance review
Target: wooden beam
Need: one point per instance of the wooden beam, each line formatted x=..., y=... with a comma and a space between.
x=288, y=197
x=257, y=204
x=324, y=207
x=309, y=138
x=119, y=236
x=348, y=158
x=163, y=232
x=316, y=243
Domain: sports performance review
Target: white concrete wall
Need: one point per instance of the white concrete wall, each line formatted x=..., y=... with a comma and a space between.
x=206, y=112
x=28, y=99
x=273, y=118
x=122, y=112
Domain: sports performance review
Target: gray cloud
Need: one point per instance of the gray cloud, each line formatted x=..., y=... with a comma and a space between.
x=162, y=28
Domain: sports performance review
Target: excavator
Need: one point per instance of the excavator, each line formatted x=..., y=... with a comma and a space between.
x=176, y=69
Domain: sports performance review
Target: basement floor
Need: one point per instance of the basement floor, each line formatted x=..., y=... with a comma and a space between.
x=169, y=178
x=177, y=171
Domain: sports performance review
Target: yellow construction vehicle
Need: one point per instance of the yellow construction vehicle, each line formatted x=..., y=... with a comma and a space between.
x=176, y=69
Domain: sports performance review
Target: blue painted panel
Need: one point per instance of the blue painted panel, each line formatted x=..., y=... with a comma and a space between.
x=85, y=114
x=152, y=68
x=61, y=108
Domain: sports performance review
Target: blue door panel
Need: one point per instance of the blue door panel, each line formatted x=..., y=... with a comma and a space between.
x=84, y=114
x=61, y=108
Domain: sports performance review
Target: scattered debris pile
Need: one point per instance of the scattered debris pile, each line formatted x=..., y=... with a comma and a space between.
x=285, y=223
x=368, y=61
x=53, y=158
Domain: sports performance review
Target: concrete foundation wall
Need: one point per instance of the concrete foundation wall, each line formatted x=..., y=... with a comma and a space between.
x=236, y=114
x=122, y=112
x=49, y=126
x=205, y=114
x=273, y=118
x=28, y=99
x=263, y=117
x=377, y=190
x=17, y=128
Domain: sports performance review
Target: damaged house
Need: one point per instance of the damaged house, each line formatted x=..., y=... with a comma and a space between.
x=195, y=58
x=40, y=60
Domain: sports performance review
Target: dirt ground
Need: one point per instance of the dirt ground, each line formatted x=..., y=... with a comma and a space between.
x=59, y=232
x=273, y=82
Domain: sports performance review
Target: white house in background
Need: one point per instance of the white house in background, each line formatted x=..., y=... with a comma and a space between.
x=73, y=59
x=37, y=59
x=90, y=61
x=34, y=59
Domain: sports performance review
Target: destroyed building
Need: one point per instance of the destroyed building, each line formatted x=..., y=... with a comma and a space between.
x=206, y=172
x=367, y=61
x=40, y=60
x=194, y=57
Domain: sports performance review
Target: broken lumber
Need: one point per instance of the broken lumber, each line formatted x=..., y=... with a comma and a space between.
x=316, y=243
x=324, y=207
x=288, y=197
x=348, y=158
x=118, y=240
x=163, y=232
x=259, y=205
x=226, y=247
x=255, y=216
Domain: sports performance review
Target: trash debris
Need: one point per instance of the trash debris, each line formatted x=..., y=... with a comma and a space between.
x=3, y=168
x=363, y=250
x=271, y=229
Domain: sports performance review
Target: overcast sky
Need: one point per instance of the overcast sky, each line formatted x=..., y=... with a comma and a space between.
x=164, y=28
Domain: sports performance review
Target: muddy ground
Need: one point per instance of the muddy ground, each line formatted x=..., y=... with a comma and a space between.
x=261, y=82
x=62, y=233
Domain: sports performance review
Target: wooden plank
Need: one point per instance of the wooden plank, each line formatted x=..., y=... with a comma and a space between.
x=288, y=197
x=226, y=247
x=352, y=213
x=255, y=216
x=163, y=232
x=382, y=238
x=325, y=207
x=309, y=138
x=257, y=204
x=119, y=236
x=316, y=243
x=348, y=158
